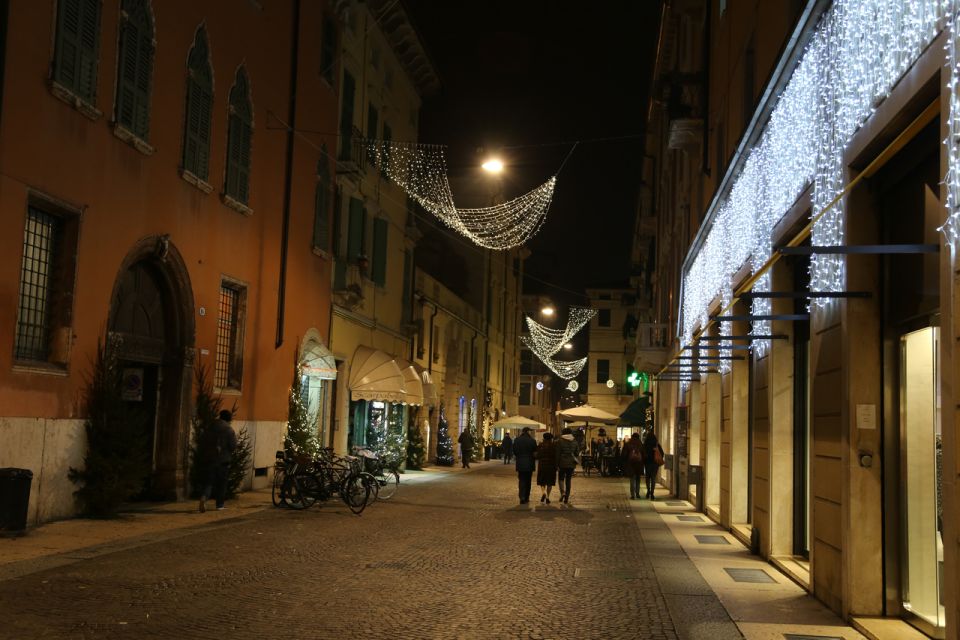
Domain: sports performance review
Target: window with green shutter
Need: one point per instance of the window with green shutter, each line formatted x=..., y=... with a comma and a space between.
x=379, y=270
x=387, y=137
x=135, y=67
x=199, y=108
x=355, y=229
x=321, y=204
x=346, y=115
x=239, y=132
x=76, y=47
x=372, y=118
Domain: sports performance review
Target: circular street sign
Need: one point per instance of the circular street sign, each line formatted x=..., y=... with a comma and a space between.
x=611, y=384
x=539, y=385
x=573, y=385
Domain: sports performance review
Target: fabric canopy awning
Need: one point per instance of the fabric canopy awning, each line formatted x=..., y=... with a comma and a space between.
x=318, y=362
x=413, y=387
x=374, y=375
x=636, y=412
x=518, y=422
x=587, y=413
x=426, y=381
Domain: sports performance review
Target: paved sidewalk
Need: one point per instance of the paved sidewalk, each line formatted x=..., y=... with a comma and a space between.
x=452, y=555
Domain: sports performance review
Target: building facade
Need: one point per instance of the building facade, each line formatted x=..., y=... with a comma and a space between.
x=155, y=198
x=383, y=76
x=612, y=344
x=802, y=291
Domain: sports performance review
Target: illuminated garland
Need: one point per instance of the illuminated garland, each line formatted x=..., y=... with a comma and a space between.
x=421, y=171
x=951, y=228
x=544, y=342
x=860, y=49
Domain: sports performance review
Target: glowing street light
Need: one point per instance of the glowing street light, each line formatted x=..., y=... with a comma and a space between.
x=568, y=346
x=493, y=165
x=547, y=311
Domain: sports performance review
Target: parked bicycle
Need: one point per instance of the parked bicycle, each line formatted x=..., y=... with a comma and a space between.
x=386, y=474
x=300, y=482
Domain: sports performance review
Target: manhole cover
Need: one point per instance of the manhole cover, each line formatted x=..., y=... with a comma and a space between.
x=689, y=518
x=712, y=540
x=610, y=574
x=675, y=503
x=801, y=636
x=749, y=575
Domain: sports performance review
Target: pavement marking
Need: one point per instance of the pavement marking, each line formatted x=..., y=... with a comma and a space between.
x=689, y=518
x=801, y=636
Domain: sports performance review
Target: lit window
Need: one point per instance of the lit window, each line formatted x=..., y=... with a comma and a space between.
x=232, y=307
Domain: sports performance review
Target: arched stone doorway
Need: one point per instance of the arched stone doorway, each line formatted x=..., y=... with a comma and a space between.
x=151, y=327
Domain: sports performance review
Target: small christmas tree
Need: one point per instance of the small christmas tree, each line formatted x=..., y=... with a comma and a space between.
x=301, y=436
x=206, y=411
x=117, y=461
x=444, y=443
x=474, y=426
x=416, y=456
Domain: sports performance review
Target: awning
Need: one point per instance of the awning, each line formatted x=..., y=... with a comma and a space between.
x=318, y=362
x=374, y=375
x=636, y=412
x=413, y=387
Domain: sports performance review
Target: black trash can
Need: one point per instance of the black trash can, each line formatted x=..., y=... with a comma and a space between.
x=14, y=499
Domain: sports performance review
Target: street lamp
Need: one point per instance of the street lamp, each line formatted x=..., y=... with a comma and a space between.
x=493, y=165
x=547, y=311
x=568, y=346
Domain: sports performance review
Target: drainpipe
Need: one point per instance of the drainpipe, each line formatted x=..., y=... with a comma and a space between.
x=4, y=19
x=473, y=356
x=288, y=174
x=436, y=310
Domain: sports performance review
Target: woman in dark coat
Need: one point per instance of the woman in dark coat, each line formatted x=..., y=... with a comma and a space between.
x=547, y=469
x=632, y=454
x=650, y=466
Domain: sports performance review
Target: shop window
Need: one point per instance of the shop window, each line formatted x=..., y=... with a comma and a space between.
x=47, y=271
x=199, y=109
x=232, y=308
x=76, y=47
x=135, y=68
x=239, y=132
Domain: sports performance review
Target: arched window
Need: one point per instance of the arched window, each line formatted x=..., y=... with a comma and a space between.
x=199, y=108
x=321, y=205
x=135, y=67
x=77, y=46
x=239, y=132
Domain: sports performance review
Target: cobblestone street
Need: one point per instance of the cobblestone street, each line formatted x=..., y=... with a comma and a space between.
x=451, y=557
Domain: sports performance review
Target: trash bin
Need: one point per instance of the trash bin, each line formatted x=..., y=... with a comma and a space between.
x=695, y=476
x=14, y=499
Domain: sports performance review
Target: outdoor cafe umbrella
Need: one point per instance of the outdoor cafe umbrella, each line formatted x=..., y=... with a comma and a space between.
x=518, y=422
x=588, y=414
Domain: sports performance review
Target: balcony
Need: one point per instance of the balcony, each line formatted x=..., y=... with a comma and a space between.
x=351, y=158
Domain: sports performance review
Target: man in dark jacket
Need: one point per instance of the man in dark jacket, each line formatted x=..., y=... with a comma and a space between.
x=507, y=448
x=466, y=448
x=523, y=448
x=217, y=449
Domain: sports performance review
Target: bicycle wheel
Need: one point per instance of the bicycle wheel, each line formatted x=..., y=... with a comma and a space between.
x=388, y=481
x=276, y=493
x=291, y=493
x=309, y=488
x=355, y=492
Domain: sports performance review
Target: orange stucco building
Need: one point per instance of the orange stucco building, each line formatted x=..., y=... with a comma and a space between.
x=116, y=224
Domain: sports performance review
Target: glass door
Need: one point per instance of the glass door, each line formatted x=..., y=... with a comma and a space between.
x=920, y=460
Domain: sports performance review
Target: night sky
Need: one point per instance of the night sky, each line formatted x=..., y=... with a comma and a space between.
x=522, y=76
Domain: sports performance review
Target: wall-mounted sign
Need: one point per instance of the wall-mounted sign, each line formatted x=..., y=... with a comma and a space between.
x=866, y=416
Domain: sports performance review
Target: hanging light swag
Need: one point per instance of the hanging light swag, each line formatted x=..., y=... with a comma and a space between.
x=421, y=171
x=545, y=342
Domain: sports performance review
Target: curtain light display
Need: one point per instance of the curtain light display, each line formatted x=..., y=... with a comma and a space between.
x=858, y=52
x=421, y=171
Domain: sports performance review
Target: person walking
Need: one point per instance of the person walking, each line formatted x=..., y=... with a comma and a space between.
x=567, y=451
x=652, y=459
x=506, y=447
x=524, y=448
x=547, y=466
x=217, y=451
x=632, y=456
x=466, y=448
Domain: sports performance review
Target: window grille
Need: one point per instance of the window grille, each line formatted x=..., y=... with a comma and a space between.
x=40, y=245
x=229, y=362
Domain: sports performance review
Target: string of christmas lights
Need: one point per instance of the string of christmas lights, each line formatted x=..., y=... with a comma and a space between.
x=421, y=171
x=859, y=51
x=544, y=342
x=951, y=228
